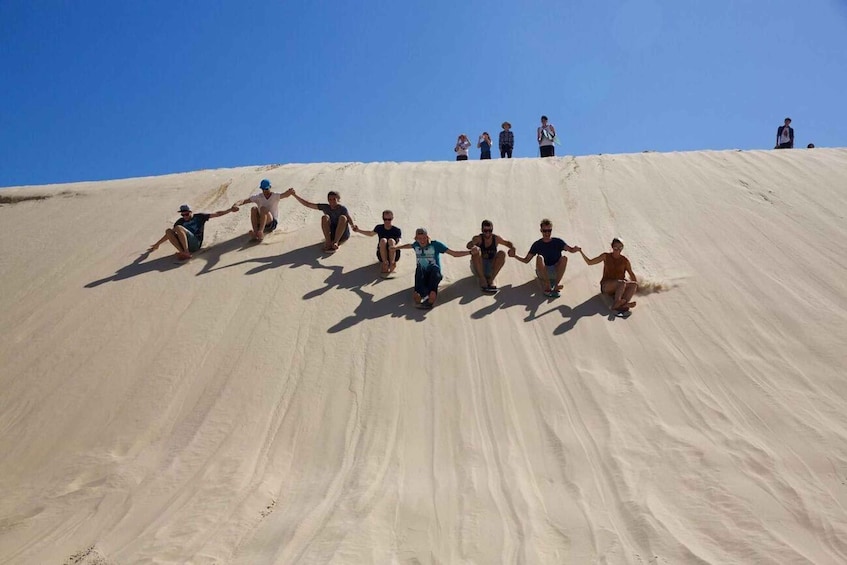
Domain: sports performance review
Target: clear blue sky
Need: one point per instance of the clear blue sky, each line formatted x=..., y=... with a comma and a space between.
x=103, y=89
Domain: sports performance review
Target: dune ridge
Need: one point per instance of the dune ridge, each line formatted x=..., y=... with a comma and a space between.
x=268, y=404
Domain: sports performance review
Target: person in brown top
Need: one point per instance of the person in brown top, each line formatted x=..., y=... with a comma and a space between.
x=614, y=282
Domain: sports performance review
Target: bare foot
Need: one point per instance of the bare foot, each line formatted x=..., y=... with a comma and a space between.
x=383, y=268
x=334, y=247
x=433, y=296
x=391, y=267
x=183, y=256
x=416, y=297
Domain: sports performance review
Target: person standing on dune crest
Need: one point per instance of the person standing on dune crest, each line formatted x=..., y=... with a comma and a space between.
x=785, y=136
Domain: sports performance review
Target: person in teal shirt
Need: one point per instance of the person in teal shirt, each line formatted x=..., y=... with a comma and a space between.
x=428, y=270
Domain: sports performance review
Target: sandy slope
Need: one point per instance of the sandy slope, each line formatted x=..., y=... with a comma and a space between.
x=265, y=404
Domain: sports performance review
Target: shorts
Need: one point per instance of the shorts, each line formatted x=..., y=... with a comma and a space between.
x=396, y=255
x=271, y=226
x=427, y=280
x=485, y=155
x=551, y=272
x=193, y=242
x=461, y=157
x=548, y=151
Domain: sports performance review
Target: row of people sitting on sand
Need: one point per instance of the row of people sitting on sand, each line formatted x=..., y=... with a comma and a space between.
x=487, y=260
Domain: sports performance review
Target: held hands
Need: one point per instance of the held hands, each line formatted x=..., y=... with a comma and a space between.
x=288, y=192
x=512, y=252
x=234, y=208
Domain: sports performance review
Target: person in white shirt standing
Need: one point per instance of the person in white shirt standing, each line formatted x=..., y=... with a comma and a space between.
x=462, y=146
x=546, y=137
x=265, y=215
x=785, y=136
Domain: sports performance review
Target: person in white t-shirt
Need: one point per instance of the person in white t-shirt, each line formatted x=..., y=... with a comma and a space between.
x=462, y=146
x=265, y=215
x=546, y=137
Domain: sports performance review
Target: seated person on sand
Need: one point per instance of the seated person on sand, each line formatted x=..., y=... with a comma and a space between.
x=265, y=216
x=336, y=221
x=551, y=264
x=389, y=236
x=486, y=260
x=428, y=270
x=187, y=233
x=614, y=283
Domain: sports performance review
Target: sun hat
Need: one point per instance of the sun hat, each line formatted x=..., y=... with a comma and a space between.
x=265, y=184
x=504, y=124
x=185, y=208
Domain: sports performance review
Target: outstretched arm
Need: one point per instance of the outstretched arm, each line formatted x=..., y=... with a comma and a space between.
x=222, y=212
x=368, y=233
x=507, y=243
x=404, y=246
x=598, y=259
x=303, y=201
x=527, y=259
x=573, y=249
x=457, y=253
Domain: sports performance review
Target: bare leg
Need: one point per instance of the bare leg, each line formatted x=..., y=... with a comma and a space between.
x=499, y=261
x=479, y=269
x=560, y=272
x=392, y=257
x=339, y=231
x=541, y=271
x=254, y=221
x=179, y=240
x=327, y=235
x=264, y=215
x=383, y=255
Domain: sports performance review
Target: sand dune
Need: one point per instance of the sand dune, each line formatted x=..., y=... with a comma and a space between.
x=268, y=404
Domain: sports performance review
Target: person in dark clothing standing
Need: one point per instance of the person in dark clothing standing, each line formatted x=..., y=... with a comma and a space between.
x=785, y=136
x=506, y=141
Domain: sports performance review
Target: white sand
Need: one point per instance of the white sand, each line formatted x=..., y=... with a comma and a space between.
x=265, y=404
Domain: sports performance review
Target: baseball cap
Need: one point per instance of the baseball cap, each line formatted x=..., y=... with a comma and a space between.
x=265, y=184
x=185, y=208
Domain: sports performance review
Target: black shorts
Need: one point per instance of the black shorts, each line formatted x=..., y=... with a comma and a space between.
x=461, y=157
x=270, y=227
x=547, y=151
x=396, y=255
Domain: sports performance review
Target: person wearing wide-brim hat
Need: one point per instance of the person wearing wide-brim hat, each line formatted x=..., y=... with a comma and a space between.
x=506, y=141
x=187, y=233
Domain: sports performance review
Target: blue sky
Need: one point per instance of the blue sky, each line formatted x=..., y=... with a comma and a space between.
x=98, y=89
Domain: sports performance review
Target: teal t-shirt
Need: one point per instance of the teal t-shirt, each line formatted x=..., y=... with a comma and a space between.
x=429, y=255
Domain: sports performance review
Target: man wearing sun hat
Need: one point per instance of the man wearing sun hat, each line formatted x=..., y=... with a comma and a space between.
x=506, y=141
x=265, y=215
x=187, y=233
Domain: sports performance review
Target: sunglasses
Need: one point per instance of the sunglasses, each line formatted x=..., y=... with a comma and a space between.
x=487, y=230
x=384, y=219
x=617, y=248
x=185, y=213
x=547, y=230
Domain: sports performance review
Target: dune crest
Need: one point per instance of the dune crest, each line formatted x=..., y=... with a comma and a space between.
x=270, y=404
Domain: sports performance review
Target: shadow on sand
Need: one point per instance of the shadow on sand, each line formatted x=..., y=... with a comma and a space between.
x=211, y=255
x=397, y=305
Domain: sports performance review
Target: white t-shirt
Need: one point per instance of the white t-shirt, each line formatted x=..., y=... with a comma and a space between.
x=462, y=148
x=272, y=203
x=546, y=135
x=785, y=136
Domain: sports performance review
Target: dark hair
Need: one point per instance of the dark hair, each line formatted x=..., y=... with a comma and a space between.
x=546, y=222
x=616, y=240
x=488, y=223
x=544, y=117
x=333, y=193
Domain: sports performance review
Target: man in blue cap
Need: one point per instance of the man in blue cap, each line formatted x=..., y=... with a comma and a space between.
x=265, y=215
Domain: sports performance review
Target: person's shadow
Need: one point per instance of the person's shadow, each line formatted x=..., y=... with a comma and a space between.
x=528, y=295
x=138, y=267
x=594, y=306
x=397, y=305
x=211, y=255
x=306, y=256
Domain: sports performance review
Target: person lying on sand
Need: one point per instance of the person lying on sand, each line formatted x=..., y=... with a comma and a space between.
x=486, y=260
x=265, y=215
x=550, y=264
x=428, y=270
x=614, y=282
x=187, y=233
x=389, y=236
x=336, y=221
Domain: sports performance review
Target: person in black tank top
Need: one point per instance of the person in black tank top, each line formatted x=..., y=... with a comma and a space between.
x=486, y=260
